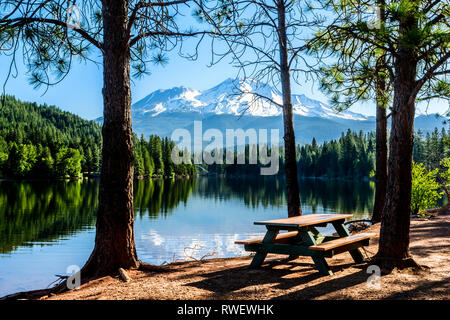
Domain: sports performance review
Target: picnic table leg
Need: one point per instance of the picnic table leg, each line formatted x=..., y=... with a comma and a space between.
x=291, y=257
x=259, y=257
x=319, y=261
x=298, y=238
x=343, y=232
x=322, y=266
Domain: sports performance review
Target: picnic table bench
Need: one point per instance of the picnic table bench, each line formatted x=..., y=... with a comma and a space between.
x=303, y=239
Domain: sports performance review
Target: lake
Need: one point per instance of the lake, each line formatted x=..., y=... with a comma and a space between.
x=47, y=226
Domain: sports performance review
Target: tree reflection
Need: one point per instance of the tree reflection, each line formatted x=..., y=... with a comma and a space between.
x=160, y=197
x=338, y=196
x=43, y=211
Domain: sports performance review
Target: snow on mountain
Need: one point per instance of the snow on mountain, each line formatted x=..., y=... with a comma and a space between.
x=231, y=105
x=234, y=97
x=175, y=99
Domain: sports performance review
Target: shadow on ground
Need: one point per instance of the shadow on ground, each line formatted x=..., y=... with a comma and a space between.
x=279, y=275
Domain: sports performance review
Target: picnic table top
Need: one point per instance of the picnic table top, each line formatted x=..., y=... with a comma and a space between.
x=304, y=220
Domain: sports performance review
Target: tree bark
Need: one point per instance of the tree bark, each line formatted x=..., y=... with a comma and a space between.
x=114, y=240
x=381, y=152
x=395, y=222
x=292, y=189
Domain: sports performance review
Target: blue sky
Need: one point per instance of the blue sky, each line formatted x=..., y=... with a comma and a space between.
x=80, y=91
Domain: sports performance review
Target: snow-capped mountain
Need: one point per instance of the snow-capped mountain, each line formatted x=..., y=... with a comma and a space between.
x=234, y=97
x=231, y=105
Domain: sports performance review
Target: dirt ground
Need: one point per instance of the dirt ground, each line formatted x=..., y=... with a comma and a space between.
x=297, y=279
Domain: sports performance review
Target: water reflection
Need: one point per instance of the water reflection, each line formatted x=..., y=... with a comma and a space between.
x=160, y=197
x=47, y=226
x=42, y=211
x=355, y=197
x=316, y=194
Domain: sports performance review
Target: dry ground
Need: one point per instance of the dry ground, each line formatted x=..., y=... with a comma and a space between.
x=297, y=279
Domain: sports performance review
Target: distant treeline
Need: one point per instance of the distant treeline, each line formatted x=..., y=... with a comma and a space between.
x=350, y=156
x=40, y=141
x=353, y=155
x=153, y=158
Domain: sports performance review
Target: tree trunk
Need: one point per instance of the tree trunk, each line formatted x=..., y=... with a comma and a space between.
x=292, y=189
x=395, y=222
x=381, y=132
x=380, y=154
x=114, y=240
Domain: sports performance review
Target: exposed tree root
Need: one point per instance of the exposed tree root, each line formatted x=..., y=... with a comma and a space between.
x=153, y=268
x=86, y=277
x=388, y=265
x=36, y=294
x=57, y=289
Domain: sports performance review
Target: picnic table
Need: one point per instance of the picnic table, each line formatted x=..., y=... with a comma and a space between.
x=303, y=239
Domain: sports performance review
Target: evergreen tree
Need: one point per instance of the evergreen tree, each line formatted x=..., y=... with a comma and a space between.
x=157, y=154
x=68, y=162
x=44, y=166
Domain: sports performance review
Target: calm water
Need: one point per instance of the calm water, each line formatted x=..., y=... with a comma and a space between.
x=47, y=226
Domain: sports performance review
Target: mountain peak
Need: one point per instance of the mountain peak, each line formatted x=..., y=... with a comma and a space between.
x=235, y=96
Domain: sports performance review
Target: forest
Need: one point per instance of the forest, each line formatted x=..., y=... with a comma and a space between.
x=40, y=141
x=43, y=141
x=352, y=156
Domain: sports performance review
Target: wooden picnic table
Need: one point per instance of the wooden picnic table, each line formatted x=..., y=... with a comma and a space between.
x=303, y=239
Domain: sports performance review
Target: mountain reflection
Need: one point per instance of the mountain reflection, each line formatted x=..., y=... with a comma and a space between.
x=42, y=211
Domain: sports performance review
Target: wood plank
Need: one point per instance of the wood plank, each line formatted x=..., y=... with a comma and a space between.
x=280, y=236
x=277, y=248
x=329, y=245
x=354, y=252
x=305, y=220
x=350, y=248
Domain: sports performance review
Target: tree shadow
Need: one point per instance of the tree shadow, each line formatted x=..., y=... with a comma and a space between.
x=425, y=287
x=432, y=231
x=426, y=251
x=281, y=274
x=432, y=228
x=324, y=288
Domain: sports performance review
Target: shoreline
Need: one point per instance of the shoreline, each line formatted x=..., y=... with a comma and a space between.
x=231, y=278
